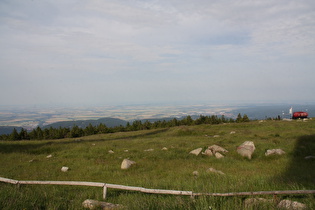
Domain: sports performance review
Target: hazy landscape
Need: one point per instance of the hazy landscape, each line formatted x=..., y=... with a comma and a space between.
x=30, y=117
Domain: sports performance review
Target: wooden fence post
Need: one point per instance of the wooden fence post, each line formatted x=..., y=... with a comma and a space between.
x=104, y=191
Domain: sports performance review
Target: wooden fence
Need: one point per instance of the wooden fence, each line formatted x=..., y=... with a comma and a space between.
x=154, y=191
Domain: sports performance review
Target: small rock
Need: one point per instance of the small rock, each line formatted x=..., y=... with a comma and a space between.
x=246, y=149
x=218, y=155
x=196, y=151
x=232, y=132
x=64, y=169
x=127, y=164
x=195, y=173
x=164, y=148
x=111, y=152
x=309, y=157
x=215, y=148
x=48, y=156
x=216, y=136
x=292, y=205
x=93, y=144
x=255, y=202
x=208, y=152
x=215, y=171
x=149, y=150
x=126, y=150
x=274, y=152
x=31, y=160
x=93, y=204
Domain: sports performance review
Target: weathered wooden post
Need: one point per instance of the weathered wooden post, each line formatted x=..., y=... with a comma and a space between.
x=104, y=191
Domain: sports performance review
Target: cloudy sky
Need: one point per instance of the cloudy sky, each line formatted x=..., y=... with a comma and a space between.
x=150, y=51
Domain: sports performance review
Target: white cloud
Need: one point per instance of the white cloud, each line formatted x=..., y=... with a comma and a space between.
x=206, y=46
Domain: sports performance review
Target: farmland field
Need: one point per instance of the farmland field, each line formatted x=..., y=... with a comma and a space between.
x=89, y=160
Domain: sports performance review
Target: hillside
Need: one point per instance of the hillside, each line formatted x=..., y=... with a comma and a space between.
x=8, y=129
x=89, y=160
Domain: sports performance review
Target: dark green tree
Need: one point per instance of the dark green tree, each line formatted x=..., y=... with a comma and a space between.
x=24, y=135
x=14, y=135
x=245, y=118
x=239, y=118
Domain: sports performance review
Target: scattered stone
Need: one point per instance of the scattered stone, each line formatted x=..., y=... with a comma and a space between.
x=164, y=148
x=48, y=156
x=274, y=152
x=149, y=150
x=196, y=151
x=127, y=164
x=232, y=132
x=31, y=160
x=93, y=144
x=216, y=136
x=195, y=173
x=111, y=152
x=126, y=150
x=246, y=149
x=93, y=204
x=218, y=155
x=285, y=119
x=309, y=157
x=292, y=205
x=64, y=169
x=254, y=202
x=208, y=152
x=261, y=121
x=215, y=148
x=212, y=170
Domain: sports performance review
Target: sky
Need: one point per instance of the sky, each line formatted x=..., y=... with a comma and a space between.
x=85, y=52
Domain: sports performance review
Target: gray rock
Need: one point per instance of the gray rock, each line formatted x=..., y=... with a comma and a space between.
x=292, y=205
x=212, y=170
x=64, y=168
x=255, y=202
x=149, y=150
x=274, y=152
x=309, y=157
x=218, y=155
x=208, y=152
x=111, y=151
x=195, y=173
x=215, y=148
x=127, y=164
x=93, y=204
x=246, y=149
x=196, y=151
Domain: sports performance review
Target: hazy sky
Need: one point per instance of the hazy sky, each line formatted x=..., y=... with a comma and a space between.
x=149, y=51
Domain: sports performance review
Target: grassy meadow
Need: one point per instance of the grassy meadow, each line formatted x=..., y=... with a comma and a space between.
x=89, y=160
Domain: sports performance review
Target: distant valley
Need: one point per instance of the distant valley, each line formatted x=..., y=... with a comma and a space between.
x=45, y=117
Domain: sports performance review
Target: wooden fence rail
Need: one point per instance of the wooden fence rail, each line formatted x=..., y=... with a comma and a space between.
x=155, y=191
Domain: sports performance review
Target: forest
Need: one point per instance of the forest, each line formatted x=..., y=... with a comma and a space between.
x=76, y=131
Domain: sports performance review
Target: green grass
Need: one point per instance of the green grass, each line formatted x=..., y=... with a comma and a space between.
x=89, y=160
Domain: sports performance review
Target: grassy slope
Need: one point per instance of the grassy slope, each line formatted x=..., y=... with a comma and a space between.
x=89, y=160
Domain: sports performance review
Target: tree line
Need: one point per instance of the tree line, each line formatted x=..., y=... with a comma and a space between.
x=75, y=131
